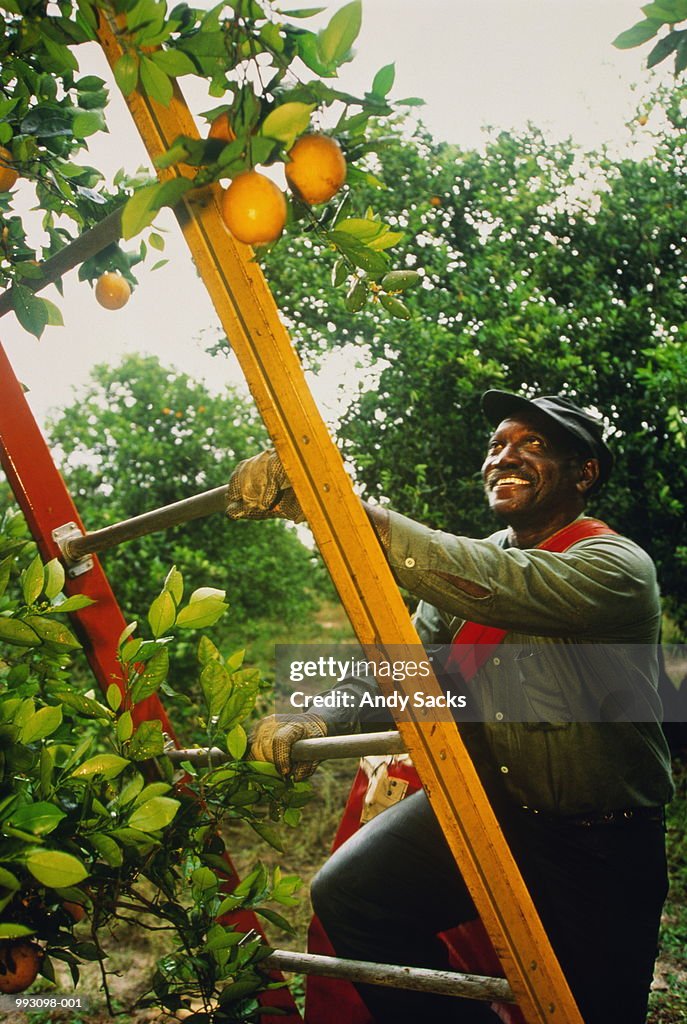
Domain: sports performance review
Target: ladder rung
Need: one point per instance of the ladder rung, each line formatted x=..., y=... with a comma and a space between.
x=195, y=507
x=419, y=979
x=323, y=749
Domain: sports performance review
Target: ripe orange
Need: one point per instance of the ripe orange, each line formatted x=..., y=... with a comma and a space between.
x=317, y=168
x=434, y=201
x=75, y=910
x=221, y=129
x=112, y=290
x=254, y=209
x=8, y=175
x=19, y=964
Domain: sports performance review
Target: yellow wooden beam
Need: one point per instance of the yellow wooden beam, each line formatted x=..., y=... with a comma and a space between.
x=249, y=315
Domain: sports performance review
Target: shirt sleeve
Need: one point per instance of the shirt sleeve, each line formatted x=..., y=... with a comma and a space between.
x=603, y=587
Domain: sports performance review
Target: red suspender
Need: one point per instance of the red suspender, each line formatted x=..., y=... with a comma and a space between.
x=476, y=642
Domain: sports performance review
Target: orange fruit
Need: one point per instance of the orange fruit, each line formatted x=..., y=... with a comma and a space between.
x=434, y=201
x=221, y=129
x=254, y=209
x=19, y=964
x=75, y=910
x=8, y=175
x=112, y=290
x=317, y=168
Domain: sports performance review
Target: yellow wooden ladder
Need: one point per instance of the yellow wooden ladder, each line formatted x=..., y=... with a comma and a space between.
x=358, y=569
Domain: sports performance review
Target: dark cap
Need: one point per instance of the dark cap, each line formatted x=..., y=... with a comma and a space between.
x=581, y=426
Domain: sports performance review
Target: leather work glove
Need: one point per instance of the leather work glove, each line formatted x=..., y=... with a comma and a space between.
x=259, y=489
x=273, y=737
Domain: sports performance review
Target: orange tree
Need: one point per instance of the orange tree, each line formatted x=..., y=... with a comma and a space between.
x=93, y=819
x=273, y=80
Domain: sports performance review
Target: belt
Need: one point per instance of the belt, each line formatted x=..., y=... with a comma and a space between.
x=654, y=815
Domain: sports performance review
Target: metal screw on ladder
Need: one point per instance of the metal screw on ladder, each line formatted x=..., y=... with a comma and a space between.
x=64, y=536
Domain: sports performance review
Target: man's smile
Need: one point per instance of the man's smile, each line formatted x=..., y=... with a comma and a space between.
x=495, y=480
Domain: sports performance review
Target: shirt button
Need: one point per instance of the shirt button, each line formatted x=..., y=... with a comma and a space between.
x=504, y=769
x=409, y=563
x=499, y=716
x=496, y=661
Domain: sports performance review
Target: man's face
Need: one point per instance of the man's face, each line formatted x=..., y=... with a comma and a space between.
x=530, y=474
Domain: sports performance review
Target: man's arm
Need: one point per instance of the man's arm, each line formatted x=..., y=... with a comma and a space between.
x=602, y=585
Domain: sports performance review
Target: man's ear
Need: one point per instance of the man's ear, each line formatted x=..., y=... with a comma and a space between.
x=589, y=474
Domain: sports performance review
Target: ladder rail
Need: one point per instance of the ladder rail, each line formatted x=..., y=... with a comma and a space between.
x=359, y=570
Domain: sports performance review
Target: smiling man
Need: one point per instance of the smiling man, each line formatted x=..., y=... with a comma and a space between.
x=578, y=787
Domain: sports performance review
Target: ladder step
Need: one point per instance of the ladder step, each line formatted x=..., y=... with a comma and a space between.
x=77, y=545
x=418, y=979
x=323, y=749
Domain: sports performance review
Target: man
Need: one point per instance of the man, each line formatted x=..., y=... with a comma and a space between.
x=578, y=788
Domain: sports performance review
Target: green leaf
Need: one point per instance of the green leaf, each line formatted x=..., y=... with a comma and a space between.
x=107, y=848
x=383, y=81
x=125, y=634
x=147, y=741
x=663, y=48
x=140, y=210
x=400, y=280
x=15, y=632
x=8, y=880
x=336, y=40
x=162, y=614
x=155, y=672
x=287, y=121
x=154, y=789
x=71, y=604
x=156, y=82
x=107, y=765
x=154, y=814
x=394, y=306
x=32, y=581
x=41, y=724
x=39, y=819
x=79, y=702
x=174, y=63
x=374, y=263
x=200, y=614
x=126, y=73
x=156, y=241
x=114, y=696
x=88, y=123
x=53, y=580
x=303, y=12
x=638, y=34
x=269, y=833
x=55, y=868
x=57, y=633
x=31, y=312
x=15, y=931
x=125, y=727
x=237, y=741
x=207, y=651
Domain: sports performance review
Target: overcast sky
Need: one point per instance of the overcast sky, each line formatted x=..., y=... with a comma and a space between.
x=500, y=63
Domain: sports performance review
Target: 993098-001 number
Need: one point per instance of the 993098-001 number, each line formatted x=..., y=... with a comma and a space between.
x=42, y=1001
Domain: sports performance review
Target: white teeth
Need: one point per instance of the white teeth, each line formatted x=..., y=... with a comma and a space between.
x=510, y=480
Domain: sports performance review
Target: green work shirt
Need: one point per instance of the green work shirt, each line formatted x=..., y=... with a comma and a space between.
x=601, y=591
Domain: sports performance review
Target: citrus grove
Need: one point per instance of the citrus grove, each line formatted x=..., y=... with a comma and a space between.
x=278, y=114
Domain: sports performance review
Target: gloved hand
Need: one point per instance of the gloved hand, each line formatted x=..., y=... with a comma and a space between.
x=259, y=489
x=273, y=737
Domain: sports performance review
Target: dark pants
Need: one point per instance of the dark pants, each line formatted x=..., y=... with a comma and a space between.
x=599, y=889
